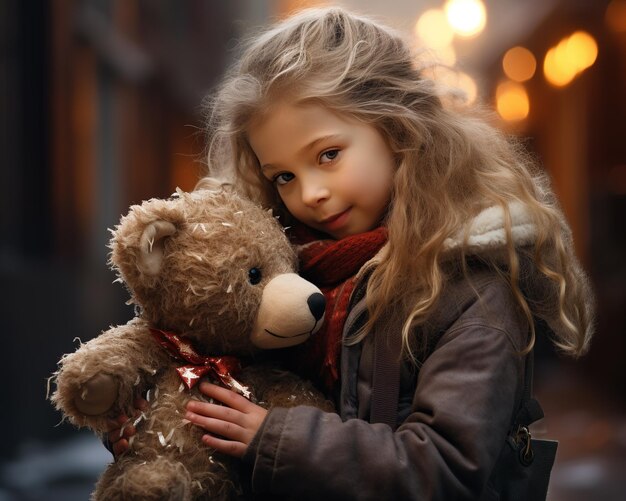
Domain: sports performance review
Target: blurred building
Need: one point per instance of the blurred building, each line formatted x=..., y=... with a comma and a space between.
x=101, y=108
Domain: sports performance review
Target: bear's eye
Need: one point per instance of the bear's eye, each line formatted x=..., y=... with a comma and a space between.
x=254, y=275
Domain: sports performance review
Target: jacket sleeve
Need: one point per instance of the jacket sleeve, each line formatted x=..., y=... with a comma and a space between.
x=466, y=394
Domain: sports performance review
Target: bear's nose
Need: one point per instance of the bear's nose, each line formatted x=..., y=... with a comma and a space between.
x=317, y=304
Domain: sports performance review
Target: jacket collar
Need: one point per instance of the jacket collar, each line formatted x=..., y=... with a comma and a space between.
x=487, y=230
x=485, y=233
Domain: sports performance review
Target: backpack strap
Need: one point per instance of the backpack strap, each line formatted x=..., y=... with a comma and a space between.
x=386, y=377
x=529, y=410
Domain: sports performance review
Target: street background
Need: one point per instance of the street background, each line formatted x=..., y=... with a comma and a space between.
x=100, y=106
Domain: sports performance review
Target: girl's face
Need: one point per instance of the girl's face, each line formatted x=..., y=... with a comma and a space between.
x=333, y=174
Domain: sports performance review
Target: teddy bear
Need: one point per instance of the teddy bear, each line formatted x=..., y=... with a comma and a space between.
x=214, y=283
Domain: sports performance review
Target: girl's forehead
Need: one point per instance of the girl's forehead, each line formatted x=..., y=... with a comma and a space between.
x=294, y=124
x=298, y=116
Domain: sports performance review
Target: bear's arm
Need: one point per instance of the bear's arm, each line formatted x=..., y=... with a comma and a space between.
x=102, y=377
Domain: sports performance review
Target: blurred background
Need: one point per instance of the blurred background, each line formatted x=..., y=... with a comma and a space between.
x=100, y=108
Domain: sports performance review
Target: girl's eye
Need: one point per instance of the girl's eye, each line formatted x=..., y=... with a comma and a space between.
x=283, y=178
x=329, y=156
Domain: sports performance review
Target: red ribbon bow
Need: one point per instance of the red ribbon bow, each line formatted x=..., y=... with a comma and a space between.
x=222, y=368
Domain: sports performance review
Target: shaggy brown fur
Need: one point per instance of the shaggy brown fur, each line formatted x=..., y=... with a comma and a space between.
x=186, y=262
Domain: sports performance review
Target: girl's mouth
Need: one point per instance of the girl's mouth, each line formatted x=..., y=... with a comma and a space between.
x=337, y=221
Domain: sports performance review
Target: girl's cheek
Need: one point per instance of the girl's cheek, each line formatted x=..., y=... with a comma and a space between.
x=288, y=201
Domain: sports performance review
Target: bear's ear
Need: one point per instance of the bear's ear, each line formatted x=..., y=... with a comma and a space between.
x=150, y=258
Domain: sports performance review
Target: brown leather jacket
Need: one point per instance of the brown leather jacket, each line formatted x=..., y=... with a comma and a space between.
x=451, y=420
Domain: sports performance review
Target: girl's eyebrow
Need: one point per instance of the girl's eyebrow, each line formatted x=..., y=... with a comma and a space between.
x=310, y=146
x=321, y=139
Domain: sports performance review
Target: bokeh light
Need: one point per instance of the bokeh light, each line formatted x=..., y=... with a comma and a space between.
x=466, y=17
x=615, y=16
x=582, y=50
x=433, y=29
x=519, y=64
x=512, y=101
x=556, y=67
x=569, y=57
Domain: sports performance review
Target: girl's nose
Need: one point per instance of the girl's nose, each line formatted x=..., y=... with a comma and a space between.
x=314, y=193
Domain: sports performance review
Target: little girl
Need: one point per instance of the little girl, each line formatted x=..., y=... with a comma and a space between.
x=441, y=252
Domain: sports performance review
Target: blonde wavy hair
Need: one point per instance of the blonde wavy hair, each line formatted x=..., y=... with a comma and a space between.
x=451, y=163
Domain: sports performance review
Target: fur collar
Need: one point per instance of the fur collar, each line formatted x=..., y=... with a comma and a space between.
x=486, y=232
x=485, y=235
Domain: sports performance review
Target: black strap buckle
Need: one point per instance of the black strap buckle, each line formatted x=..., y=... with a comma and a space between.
x=524, y=445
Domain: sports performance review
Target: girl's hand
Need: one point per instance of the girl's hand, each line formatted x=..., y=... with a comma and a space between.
x=237, y=420
x=120, y=430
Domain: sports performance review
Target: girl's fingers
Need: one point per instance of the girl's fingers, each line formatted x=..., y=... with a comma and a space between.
x=141, y=403
x=117, y=423
x=226, y=396
x=123, y=432
x=120, y=447
x=236, y=449
x=217, y=426
x=216, y=411
x=237, y=421
x=121, y=429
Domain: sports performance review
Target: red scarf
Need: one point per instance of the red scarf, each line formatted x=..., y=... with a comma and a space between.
x=332, y=265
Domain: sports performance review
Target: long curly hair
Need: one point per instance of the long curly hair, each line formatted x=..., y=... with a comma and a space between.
x=450, y=163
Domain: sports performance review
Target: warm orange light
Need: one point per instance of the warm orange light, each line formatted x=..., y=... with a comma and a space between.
x=433, y=29
x=512, y=101
x=571, y=56
x=582, y=50
x=556, y=73
x=519, y=64
x=615, y=16
x=467, y=17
